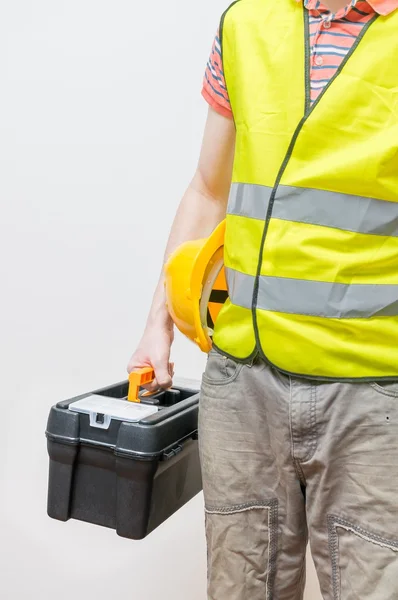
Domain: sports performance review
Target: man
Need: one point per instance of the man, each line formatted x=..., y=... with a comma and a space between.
x=298, y=423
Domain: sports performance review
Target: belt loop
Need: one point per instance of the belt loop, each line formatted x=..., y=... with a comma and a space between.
x=253, y=360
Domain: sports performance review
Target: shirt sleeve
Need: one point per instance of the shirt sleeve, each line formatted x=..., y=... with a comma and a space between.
x=214, y=90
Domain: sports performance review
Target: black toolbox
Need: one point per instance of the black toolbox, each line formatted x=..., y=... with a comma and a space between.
x=127, y=466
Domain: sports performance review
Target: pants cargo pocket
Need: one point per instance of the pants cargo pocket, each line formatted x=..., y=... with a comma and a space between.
x=242, y=545
x=364, y=564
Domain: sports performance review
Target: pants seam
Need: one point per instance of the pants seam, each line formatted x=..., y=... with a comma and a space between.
x=296, y=464
x=302, y=578
x=313, y=435
x=299, y=471
x=333, y=544
x=345, y=524
x=235, y=508
x=334, y=522
x=313, y=422
x=272, y=507
x=383, y=391
x=272, y=548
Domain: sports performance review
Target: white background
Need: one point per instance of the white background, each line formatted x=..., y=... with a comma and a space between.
x=101, y=121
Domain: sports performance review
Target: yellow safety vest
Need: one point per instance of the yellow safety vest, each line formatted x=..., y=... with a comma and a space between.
x=311, y=246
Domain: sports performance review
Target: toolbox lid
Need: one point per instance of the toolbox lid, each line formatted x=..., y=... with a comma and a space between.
x=102, y=409
x=141, y=430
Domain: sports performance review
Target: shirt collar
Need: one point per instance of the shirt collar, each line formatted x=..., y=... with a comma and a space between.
x=382, y=7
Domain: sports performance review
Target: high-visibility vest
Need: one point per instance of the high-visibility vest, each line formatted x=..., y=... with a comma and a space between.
x=311, y=246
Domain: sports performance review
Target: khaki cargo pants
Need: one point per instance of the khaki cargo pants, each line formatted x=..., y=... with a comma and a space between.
x=285, y=459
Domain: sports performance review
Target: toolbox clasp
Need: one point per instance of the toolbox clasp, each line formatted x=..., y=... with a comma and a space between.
x=100, y=420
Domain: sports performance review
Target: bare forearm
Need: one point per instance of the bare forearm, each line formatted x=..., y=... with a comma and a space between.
x=198, y=214
x=204, y=204
x=202, y=208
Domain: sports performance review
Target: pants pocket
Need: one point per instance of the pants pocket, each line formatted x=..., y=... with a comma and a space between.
x=242, y=543
x=220, y=369
x=364, y=564
x=386, y=388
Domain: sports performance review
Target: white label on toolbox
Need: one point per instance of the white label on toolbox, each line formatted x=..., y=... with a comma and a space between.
x=103, y=409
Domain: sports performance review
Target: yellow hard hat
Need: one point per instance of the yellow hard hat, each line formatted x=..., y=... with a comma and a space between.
x=196, y=288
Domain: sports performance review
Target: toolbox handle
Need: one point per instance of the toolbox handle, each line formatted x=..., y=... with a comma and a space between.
x=140, y=377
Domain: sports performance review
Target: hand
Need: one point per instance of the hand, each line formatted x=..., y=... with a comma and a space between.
x=154, y=351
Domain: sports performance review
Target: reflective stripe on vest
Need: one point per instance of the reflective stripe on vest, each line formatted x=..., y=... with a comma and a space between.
x=316, y=207
x=314, y=202
x=316, y=298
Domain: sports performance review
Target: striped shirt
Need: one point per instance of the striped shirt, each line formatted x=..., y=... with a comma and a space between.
x=332, y=35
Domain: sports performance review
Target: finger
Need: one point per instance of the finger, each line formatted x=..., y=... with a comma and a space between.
x=152, y=387
x=171, y=369
x=148, y=394
x=162, y=374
